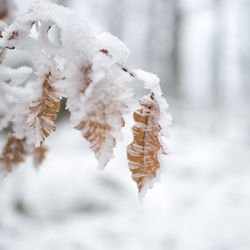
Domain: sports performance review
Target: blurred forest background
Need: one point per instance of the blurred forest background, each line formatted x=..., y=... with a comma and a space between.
x=201, y=52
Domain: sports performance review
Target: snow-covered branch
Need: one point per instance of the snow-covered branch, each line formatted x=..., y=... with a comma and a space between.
x=88, y=69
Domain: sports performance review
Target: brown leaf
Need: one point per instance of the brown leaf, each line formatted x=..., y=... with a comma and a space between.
x=43, y=111
x=143, y=151
x=14, y=152
x=98, y=132
x=39, y=155
x=2, y=55
x=14, y=35
x=103, y=120
x=104, y=51
x=86, y=77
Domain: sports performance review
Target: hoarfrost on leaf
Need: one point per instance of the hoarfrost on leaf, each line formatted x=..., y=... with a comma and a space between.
x=43, y=110
x=152, y=122
x=88, y=68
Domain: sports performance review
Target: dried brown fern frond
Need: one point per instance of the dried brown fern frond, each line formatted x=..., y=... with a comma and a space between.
x=43, y=111
x=39, y=155
x=143, y=152
x=14, y=152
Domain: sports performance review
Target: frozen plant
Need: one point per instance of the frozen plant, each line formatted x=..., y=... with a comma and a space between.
x=88, y=69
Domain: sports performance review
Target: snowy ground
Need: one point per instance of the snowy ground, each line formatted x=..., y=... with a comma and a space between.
x=202, y=202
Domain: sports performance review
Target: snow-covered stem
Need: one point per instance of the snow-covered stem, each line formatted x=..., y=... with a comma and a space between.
x=86, y=67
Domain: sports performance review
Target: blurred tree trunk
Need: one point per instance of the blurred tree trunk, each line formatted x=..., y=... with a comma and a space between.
x=163, y=48
x=176, y=78
x=116, y=17
x=217, y=53
x=7, y=11
x=3, y=9
x=245, y=48
x=244, y=56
